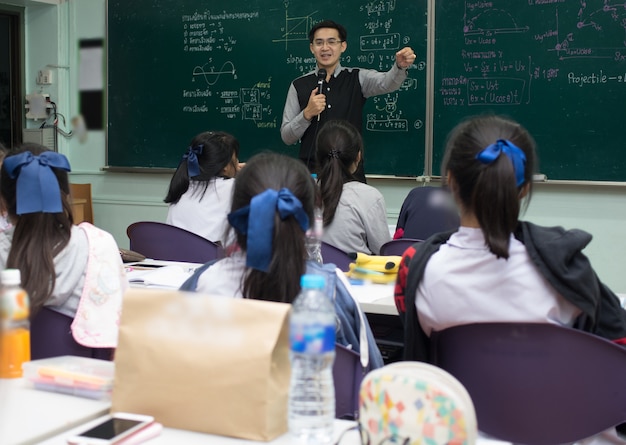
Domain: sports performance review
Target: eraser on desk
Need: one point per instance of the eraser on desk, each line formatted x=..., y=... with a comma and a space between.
x=148, y=432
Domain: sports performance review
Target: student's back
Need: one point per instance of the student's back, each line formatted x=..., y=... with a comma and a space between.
x=273, y=202
x=495, y=267
x=200, y=190
x=355, y=215
x=74, y=270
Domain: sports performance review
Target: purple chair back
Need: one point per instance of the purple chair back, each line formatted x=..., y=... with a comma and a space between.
x=397, y=246
x=536, y=383
x=160, y=241
x=51, y=336
x=336, y=256
x=347, y=376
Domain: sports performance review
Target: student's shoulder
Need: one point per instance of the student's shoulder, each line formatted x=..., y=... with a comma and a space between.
x=361, y=189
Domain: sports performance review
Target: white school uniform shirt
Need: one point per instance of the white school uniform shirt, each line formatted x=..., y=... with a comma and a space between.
x=204, y=215
x=465, y=283
x=225, y=277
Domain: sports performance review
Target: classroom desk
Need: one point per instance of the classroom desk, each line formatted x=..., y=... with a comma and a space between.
x=373, y=298
x=28, y=416
x=171, y=436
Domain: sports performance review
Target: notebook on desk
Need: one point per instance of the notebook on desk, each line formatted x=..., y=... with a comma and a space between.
x=162, y=276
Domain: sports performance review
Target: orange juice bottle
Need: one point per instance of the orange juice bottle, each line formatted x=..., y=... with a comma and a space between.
x=14, y=325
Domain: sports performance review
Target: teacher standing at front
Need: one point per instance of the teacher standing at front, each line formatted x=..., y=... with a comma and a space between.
x=314, y=99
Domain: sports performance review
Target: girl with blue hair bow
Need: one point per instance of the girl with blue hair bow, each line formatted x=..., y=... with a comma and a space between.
x=496, y=267
x=273, y=202
x=200, y=190
x=73, y=270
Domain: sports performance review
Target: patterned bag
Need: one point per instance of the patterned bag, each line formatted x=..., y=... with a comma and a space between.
x=415, y=403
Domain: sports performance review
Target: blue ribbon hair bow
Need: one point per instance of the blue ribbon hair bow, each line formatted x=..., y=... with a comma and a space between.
x=193, y=167
x=515, y=154
x=37, y=186
x=256, y=220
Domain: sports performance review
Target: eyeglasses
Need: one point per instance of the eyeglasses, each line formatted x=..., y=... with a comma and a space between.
x=319, y=43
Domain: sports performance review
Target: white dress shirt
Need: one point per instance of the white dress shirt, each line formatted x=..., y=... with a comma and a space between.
x=465, y=283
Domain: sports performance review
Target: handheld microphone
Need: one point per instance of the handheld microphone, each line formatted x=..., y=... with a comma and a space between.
x=321, y=77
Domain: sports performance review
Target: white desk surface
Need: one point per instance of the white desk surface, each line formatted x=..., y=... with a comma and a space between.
x=28, y=416
x=373, y=298
x=171, y=436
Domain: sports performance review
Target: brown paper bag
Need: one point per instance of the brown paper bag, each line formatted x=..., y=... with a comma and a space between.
x=204, y=363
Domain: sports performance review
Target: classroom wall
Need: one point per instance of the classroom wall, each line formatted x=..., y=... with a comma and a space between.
x=122, y=198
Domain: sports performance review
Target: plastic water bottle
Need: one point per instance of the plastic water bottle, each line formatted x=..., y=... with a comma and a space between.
x=312, y=338
x=14, y=325
x=314, y=237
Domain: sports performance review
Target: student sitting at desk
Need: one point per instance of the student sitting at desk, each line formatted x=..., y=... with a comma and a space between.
x=200, y=191
x=496, y=267
x=73, y=270
x=273, y=202
x=355, y=216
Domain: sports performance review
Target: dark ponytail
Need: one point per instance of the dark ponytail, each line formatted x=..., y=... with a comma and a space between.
x=274, y=171
x=489, y=190
x=215, y=151
x=338, y=145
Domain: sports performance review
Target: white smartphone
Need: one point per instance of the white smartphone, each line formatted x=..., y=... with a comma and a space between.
x=115, y=428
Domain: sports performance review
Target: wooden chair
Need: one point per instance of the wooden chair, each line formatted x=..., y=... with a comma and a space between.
x=536, y=383
x=161, y=241
x=81, y=195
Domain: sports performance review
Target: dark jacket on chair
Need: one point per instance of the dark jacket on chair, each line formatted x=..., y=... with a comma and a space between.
x=556, y=252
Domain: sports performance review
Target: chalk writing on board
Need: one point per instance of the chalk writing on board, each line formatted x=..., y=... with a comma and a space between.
x=507, y=78
x=295, y=28
x=210, y=75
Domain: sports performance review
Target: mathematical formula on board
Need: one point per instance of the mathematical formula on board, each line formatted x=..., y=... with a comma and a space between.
x=219, y=82
x=504, y=52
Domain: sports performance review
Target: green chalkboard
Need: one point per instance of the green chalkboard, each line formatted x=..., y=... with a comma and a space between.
x=556, y=66
x=179, y=67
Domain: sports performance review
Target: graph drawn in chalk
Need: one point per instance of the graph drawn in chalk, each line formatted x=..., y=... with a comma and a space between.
x=593, y=20
x=295, y=28
x=480, y=24
x=210, y=75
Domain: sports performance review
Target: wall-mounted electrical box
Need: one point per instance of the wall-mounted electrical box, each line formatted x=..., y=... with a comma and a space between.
x=38, y=106
x=43, y=136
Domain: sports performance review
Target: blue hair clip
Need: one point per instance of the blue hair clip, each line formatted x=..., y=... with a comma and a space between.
x=256, y=220
x=37, y=186
x=193, y=167
x=514, y=153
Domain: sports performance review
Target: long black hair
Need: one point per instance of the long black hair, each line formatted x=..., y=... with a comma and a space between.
x=216, y=152
x=338, y=146
x=270, y=170
x=38, y=237
x=489, y=191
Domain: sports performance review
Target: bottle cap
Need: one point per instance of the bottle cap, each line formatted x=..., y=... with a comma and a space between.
x=10, y=276
x=312, y=281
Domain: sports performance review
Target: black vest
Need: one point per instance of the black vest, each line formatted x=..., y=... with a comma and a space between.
x=344, y=100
